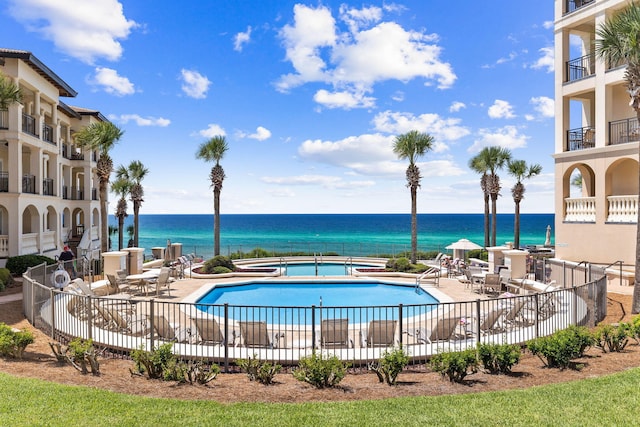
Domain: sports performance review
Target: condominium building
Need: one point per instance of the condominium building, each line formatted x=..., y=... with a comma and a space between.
x=48, y=186
x=596, y=141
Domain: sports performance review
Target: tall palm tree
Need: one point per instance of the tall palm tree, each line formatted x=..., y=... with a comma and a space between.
x=101, y=136
x=520, y=171
x=495, y=158
x=134, y=173
x=10, y=92
x=412, y=145
x=618, y=43
x=213, y=150
x=479, y=164
x=121, y=188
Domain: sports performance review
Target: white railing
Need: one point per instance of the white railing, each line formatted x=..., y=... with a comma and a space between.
x=4, y=245
x=623, y=208
x=29, y=243
x=580, y=209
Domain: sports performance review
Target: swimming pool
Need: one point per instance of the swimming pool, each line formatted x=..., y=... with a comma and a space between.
x=320, y=268
x=276, y=301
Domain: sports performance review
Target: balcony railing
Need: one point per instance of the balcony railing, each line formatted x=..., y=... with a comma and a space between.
x=4, y=119
x=29, y=124
x=623, y=208
x=94, y=194
x=65, y=192
x=77, y=193
x=622, y=131
x=29, y=184
x=580, y=209
x=572, y=5
x=579, y=68
x=30, y=243
x=581, y=138
x=4, y=245
x=47, y=187
x=4, y=182
x=47, y=133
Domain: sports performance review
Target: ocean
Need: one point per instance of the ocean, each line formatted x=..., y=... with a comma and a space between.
x=346, y=234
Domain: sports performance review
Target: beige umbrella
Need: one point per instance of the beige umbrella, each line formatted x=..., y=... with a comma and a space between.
x=461, y=246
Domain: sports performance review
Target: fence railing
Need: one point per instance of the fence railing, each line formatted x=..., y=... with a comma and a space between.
x=224, y=333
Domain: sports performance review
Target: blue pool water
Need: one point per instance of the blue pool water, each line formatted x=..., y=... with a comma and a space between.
x=291, y=302
x=320, y=269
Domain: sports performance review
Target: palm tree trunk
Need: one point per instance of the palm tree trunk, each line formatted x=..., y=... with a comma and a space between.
x=516, y=227
x=104, y=217
x=136, y=210
x=635, y=303
x=216, y=221
x=494, y=199
x=487, y=242
x=120, y=231
x=414, y=225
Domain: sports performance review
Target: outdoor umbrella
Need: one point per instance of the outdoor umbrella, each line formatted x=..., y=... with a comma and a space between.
x=461, y=246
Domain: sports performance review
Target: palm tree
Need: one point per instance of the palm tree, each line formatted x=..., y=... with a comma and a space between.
x=214, y=150
x=520, y=171
x=10, y=92
x=101, y=136
x=495, y=158
x=617, y=43
x=479, y=164
x=134, y=173
x=412, y=145
x=121, y=188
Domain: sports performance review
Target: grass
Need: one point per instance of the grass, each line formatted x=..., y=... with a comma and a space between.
x=609, y=400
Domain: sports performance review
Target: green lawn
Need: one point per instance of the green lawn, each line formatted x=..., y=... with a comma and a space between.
x=611, y=400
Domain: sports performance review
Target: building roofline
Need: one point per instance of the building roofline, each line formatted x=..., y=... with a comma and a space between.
x=63, y=88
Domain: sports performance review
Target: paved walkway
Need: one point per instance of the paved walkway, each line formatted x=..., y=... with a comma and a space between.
x=10, y=298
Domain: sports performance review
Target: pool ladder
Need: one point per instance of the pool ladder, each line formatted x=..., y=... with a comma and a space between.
x=348, y=267
x=283, y=261
x=315, y=260
x=433, y=271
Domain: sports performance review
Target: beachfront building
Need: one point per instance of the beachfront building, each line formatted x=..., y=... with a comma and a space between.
x=48, y=187
x=596, y=142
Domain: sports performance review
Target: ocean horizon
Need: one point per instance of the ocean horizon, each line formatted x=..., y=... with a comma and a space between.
x=346, y=234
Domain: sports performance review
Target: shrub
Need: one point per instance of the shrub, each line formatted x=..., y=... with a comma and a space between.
x=399, y=264
x=320, y=371
x=217, y=261
x=258, y=370
x=5, y=277
x=80, y=353
x=455, y=365
x=220, y=270
x=390, y=365
x=17, y=265
x=499, y=358
x=12, y=342
x=559, y=349
x=634, y=329
x=154, y=362
x=201, y=372
x=612, y=338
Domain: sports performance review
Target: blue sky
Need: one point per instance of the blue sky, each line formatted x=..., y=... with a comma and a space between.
x=309, y=95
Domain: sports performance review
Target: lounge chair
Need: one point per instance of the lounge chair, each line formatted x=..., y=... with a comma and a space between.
x=254, y=334
x=381, y=333
x=101, y=291
x=208, y=331
x=490, y=322
x=515, y=315
x=170, y=332
x=114, y=320
x=335, y=333
x=443, y=331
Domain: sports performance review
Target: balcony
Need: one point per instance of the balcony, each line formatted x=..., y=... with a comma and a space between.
x=581, y=138
x=580, y=68
x=65, y=192
x=47, y=134
x=573, y=5
x=29, y=124
x=4, y=119
x=29, y=184
x=4, y=182
x=94, y=194
x=580, y=209
x=77, y=193
x=47, y=187
x=622, y=131
x=623, y=208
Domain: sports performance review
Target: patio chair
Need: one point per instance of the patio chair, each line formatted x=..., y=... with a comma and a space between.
x=334, y=333
x=490, y=323
x=164, y=280
x=114, y=320
x=492, y=284
x=208, y=331
x=381, y=333
x=515, y=315
x=443, y=331
x=255, y=334
x=170, y=332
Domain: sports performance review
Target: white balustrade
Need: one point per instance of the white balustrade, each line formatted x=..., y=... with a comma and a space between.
x=623, y=208
x=48, y=241
x=4, y=245
x=29, y=243
x=580, y=209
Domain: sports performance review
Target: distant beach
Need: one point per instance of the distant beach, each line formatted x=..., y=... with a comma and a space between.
x=346, y=234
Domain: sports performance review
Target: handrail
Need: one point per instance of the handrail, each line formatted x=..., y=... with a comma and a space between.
x=586, y=264
x=433, y=270
x=283, y=261
x=613, y=263
x=348, y=261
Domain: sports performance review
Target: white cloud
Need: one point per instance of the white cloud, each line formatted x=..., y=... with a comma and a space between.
x=457, y=106
x=194, y=85
x=86, y=30
x=111, y=82
x=506, y=137
x=398, y=96
x=546, y=61
x=241, y=39
x=354, y=60
x=501, y=110
x=260, y=134
x=509, y=58
x=544, y=106
x=139, y=120
x=212, y=130
x=547, y=25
